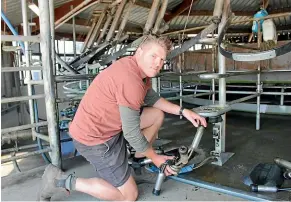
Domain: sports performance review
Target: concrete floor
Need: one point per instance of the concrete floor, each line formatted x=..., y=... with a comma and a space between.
x=23, y=186
x=250, y=147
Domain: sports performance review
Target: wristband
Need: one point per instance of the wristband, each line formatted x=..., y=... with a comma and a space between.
x=181, y=111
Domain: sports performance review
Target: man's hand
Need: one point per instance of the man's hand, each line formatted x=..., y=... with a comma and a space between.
x=194, y=118
x=158, y=160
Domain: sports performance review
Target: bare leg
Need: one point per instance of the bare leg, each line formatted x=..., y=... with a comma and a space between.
x=101, y=189
x=150, y=122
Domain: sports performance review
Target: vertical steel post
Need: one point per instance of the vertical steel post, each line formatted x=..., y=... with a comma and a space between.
x=27, y=78
x=48, y=82
x=259, y=86
x=52, y=26
x=259, y=90
x=222, y=98
x=159, y=85
x=213, y=70
x=219, y=128
x=282, y=97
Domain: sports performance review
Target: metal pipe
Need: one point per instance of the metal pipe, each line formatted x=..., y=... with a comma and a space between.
x=106, y=25
x=65, y=65
x=243, y=86
x=188, y=44
x=222, y=83
x=6, y=20
x=282, y=97
x=181, y=91
x=213, y=71
x=96, y=30
x=21, y=98
x=184, y=96
x=196, y=140
x=151, y=17
x=26, y=32
x=242, y=92
x=37, y=82
x=160, y=16
x=283, y=163
x=5, y=151
x=178, y=73
x=23, y=127
x=124, y=20
x=243, y=99
x=229, y=74
x=159, y=86
x=61, y=78
x=115, y=20
x=61, y=100
x=16, y=69
x=9, y=137
x=48, y=83
x=35, y=39
x=259, y=90
x=28, y=154
x=222, y=189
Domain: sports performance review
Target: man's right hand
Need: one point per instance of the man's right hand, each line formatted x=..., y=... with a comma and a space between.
x=158, y=160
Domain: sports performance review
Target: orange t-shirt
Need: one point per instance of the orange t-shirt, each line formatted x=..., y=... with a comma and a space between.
x=97, y=118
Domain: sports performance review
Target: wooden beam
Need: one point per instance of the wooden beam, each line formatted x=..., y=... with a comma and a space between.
x=210, y=13
x=59, y=12
x=265, y=4
x=143, y=4
x=236, y=13
x=181, y=8
x=236, y=30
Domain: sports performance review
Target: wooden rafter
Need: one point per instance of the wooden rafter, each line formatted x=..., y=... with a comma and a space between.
x=59, y=13
x=181, y=8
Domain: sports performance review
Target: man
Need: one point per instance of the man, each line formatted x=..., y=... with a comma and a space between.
x=113, y=104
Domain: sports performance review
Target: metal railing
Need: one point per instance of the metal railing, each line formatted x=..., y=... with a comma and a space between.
x=47, y=74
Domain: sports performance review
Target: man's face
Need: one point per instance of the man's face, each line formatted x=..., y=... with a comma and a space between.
x=151, y=58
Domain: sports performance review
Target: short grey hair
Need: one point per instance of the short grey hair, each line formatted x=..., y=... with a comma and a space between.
x=163, y=41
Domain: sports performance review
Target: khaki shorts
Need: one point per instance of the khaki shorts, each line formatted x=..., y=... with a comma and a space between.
x=109, y=159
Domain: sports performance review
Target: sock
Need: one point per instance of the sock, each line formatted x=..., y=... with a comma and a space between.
x=137, y=159
x=68, y=183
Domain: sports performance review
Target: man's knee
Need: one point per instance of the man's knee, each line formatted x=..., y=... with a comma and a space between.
x=132, y=195
x=129, y=190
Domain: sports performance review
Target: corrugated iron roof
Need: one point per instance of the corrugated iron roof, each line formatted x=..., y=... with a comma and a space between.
x=139, y=15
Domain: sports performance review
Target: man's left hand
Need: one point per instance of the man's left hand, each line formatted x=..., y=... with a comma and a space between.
x=194, y=118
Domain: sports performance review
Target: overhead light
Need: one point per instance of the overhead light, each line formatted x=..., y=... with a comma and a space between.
x=34, y=8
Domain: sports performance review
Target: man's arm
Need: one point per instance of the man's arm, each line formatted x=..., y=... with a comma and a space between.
x=171, y=108
x=130, y=120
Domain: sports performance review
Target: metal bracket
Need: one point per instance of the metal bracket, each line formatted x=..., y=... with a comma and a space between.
x=220, y=156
